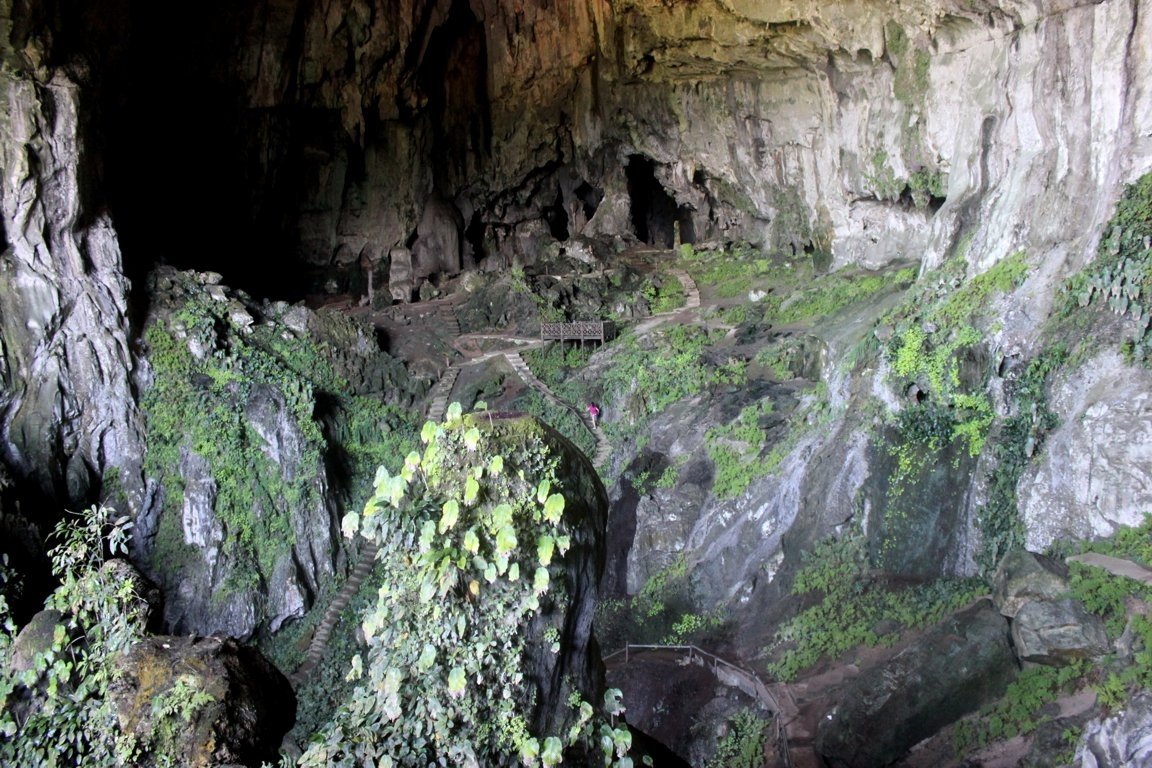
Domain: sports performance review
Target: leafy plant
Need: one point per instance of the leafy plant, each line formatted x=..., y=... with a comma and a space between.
x=472, y=534
x=851, y=610
x=743, y=745
x=1018, y=712
x=1121, y=274
x=55, y=710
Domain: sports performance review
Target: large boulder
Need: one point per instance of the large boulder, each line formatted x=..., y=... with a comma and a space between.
x=1023, y=576
x=1123, y=740
x=1057, y=632
x=203, y=702
x=952, y=670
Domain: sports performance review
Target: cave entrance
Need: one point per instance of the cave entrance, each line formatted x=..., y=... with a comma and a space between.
x=573, y=207
x=653, y=209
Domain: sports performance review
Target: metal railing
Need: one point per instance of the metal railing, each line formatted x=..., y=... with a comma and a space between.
x=581, y=330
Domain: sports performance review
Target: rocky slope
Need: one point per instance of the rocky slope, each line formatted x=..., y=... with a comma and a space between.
x=985, y=144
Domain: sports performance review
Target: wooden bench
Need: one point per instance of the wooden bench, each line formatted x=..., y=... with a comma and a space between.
x=581, y=330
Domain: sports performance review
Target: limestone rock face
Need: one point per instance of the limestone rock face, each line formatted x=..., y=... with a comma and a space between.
x=67, y=410
x=1095, y=473
x=1124, y=739
x=950, y=671
x=244, y=535
x=236, y=706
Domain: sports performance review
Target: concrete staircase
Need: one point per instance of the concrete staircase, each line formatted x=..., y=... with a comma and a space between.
x=438, y=397
x=323, y=631
x=603, y=448
x=691, y=292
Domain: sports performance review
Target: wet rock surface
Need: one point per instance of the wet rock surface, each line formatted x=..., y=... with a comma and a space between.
x=950, y=671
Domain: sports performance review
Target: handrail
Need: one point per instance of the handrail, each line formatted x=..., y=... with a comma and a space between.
x=761, y=691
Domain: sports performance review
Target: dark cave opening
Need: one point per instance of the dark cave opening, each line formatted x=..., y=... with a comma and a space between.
x=654, y=212
x=182, y=193
x=556, y=216
x=450, y=70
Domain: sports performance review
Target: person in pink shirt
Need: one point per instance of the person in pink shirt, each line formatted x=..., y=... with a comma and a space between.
x=594, y=413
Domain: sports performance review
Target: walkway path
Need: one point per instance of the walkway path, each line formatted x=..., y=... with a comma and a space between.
x=439, y=397
x=323, y=631
x=1115, y=566
x=726, y=673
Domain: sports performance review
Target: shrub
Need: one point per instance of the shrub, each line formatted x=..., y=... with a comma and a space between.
x=58, y=711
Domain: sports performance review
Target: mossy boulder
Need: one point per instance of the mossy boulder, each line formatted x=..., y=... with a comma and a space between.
x=201, y=702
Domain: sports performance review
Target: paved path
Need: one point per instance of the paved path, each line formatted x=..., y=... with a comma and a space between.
x=1115, y=566
x=439, y=397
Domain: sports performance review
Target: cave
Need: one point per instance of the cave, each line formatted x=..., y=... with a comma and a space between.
x=654, y=211
x=278, y=283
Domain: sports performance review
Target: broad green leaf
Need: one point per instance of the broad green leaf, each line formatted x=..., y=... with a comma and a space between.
x=501, y=563
x=614, y=702
x=456, y=682
x=501, y=517
x=428, y=432
x=472, y=438
x=471, y=541
x=622, y=738
x=454, y=413
x=540, y=582
x=554, y=508
x=382, y=477
x=514, y=572
x=553, y=751
x=529, y=751
x=392, y=679
x=427, y=534
x=427, y=658
x=490, y=573
x=480, y=405
x=544, y=549
x=450, y=516
x=563, y=543
x=357, y=670
x=471, y=490
x=542, y=490
x=350, y=525
x=496, y=465
x=506, y=540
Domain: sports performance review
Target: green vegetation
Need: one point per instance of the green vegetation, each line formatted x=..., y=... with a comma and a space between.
x=559, y=367
x=1021, y=434
x=649, y=374
x=743, y=746
x=214, y=404
x=664, y=294
x=55, y=710
x=662, y=612
x=1121, y=274
x=936, y=336
x=923, y=185
x=1018, y=712
x=728, y=272
x=1021, y=710
x=820, y=296
x=472, y=537
x=851, y=609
